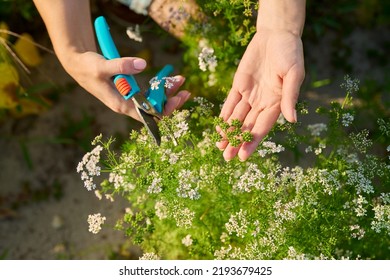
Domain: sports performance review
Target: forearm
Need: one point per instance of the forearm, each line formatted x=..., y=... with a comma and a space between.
x=286, y=15
x=68, y=23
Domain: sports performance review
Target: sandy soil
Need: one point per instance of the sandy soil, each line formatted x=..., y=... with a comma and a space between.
x=50, y=220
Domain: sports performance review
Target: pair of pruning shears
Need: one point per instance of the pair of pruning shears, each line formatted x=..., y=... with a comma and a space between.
x=150, y=104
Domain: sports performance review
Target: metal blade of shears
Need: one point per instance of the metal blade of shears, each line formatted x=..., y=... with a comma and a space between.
x=150, y=124
x=149, y=116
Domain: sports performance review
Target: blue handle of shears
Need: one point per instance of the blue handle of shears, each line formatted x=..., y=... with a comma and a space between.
x=110, y=51
x=156, y=97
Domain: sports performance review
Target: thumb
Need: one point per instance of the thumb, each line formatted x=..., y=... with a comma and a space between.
x=124, y=65
x=291, y=86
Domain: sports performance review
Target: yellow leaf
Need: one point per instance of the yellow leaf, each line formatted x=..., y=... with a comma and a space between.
x=27, y=107
x=3, y=31
x=27, y=51
x=8, y=74
x=9, y=82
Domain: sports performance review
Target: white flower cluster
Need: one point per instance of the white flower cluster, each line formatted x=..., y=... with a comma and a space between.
x=238, y=224
x=170, y=156
x=359, y=181
x=284, y=211
x=116, y=179
x=207, y=59
x=95, y=222
x=183, y=217
x=204, y=106
x=134, y=33
x=169, y=82
x=381, y=219
x=185, y=189
x=270, y=147
x=89, y=168
x=292, y=254
x=350, y=85
x=316, y=129
x=156, y=186
x=317, y=150
x=329, y=180
x=175, y=127
x=180, y=120
x=187, y=241
x=347, y=119
x=359, y=203
x=161, y=210
x=357, y=232
x=251, y=179
x=149, y=257
x=257, y=228
x=361, y=140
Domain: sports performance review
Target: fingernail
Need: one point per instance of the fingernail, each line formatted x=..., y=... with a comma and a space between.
x=139, y=64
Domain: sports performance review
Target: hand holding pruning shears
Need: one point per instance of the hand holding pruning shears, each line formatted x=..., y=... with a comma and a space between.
x=152, y=104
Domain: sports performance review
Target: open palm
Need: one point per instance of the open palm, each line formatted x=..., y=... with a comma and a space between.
x=266, y=83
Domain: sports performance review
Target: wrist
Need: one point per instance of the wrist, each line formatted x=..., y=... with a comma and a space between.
x=282, y=15
x=71, y=60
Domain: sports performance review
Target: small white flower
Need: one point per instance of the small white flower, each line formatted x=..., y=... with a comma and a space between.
x=183, y=217
x=97, y=139
x=347, y=119
x=161, y=210
x=237, y=224
x=350, y=85
x=251, y=179
x=109, y=197
x=98, y=194
x=309, y=149
x=89, y=167
x=316, y=129
x=186, y=188
x=207, y=59
x=187, y=241
x=134, y=33
x=149, y=257
x=169, y=82
x=269, y=147
x=95, y=222
x=281, y=120
x=357, y=232
x=155, y=187
x=154, y=83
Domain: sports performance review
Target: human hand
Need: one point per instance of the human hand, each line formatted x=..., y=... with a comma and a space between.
x=94, y=73
x=266, y=83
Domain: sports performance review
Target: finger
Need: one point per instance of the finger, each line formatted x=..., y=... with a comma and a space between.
x=240, y=111
x=176, y=102
x=230, y=152
x=222, y=144
x=248, y=122
x=291, y=86
x=231, y=102
x=177, y=82
x=233, y=98
x=263, y=125
x=124, y=65
x=109, y=95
